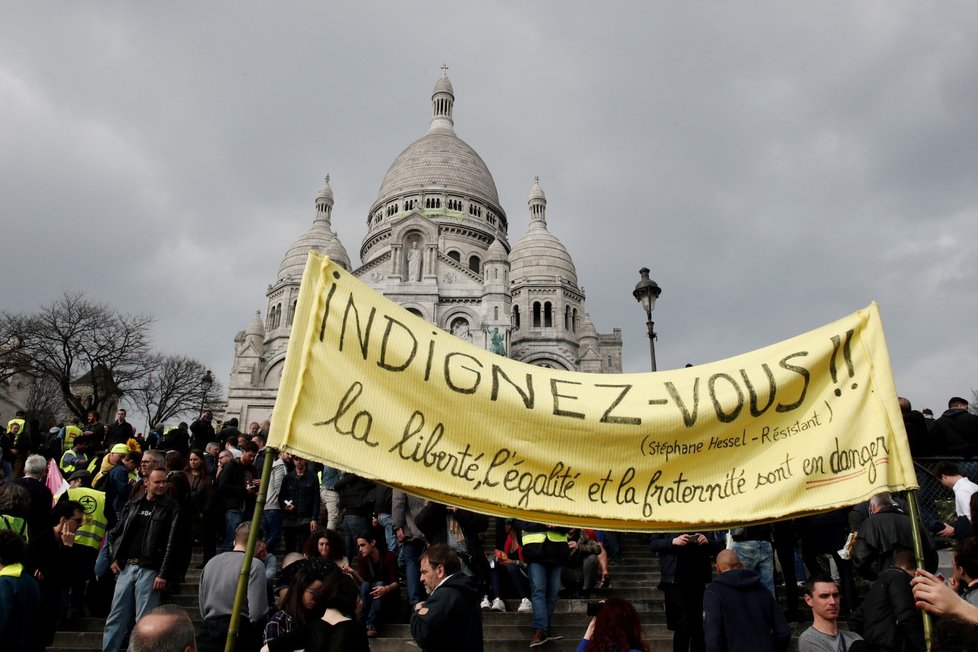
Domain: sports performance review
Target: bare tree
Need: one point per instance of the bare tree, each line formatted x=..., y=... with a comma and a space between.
x=173, y=386
x=44, y=401
x=75, y=337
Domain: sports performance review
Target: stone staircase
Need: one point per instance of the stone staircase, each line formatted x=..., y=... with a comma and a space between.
x=634, y=578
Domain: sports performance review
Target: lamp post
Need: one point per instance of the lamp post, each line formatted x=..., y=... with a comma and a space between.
x=206, y=381
x=646, y=292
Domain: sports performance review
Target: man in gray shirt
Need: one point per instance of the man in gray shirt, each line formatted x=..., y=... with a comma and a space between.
x=822, y=595
x=218, y=584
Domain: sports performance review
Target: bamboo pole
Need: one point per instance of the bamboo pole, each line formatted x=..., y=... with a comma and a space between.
x=918, y=551
x=242, y=590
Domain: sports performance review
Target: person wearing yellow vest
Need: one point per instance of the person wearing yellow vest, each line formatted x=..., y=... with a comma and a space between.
x=20, y=596
x=20, y=446
x=68, y=434
x=89, y=535
x=546, y=551
x=75, y=458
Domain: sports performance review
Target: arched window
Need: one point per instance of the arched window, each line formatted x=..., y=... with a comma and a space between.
x=454, y=255
x=567, y=318
x=516, y=317
x=292, y=312
x=548, y=315
x=536, y=314
x=474, y=263
x=574, y=321
x=495, y=313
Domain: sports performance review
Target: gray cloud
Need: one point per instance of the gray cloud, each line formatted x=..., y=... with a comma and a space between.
x=776, y=166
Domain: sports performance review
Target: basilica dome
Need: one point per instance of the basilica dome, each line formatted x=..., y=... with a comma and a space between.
x=539, y=254
x=439, y=161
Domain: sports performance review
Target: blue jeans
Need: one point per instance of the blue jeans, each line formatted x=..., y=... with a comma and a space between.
x=271, y=525
x=410, y=559
x=352, y=527
x=370, y=613
x=232, y=519
x=387, y=523
x=758, y=556
x=544, y=586
x=133, y=597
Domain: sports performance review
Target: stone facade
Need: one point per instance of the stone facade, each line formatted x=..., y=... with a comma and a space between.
x=437, y=244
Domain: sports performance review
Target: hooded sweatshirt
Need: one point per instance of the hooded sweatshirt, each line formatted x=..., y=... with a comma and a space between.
x=739, y=613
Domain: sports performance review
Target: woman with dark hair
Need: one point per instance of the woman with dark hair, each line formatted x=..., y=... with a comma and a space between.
x=201, y=486
x=337, y=630
x=616, y=628
x=301, y=605
x=329, y=545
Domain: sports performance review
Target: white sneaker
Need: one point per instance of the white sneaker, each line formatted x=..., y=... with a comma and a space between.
x=485, y=605
x=525, y=606
x=498, y=605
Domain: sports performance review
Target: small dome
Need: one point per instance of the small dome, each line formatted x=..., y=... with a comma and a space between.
x=537, y=192
x=319, y=238
x=443, y=85
x=256, y=327
x=539, y=255
x=497, y=252
x=325, y=194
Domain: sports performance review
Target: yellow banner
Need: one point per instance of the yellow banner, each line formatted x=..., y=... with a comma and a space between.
x=801, y=426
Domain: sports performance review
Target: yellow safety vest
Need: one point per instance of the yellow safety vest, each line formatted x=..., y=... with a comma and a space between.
x=539, y=537
x=92, y=529
x=70, y=433
x=14, y=524
x=68, y=469
x=20, y=423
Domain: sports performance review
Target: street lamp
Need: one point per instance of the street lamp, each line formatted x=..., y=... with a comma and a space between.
x=646, y=292
x=206, y=381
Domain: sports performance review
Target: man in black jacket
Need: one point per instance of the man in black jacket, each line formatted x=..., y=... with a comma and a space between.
x=450, y=619
x=885, y=532
x=739, y=612
x=140, y=548
x=685, y=563
x=887, y=618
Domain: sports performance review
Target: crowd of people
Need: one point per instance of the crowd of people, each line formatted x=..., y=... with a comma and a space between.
x=97, y=520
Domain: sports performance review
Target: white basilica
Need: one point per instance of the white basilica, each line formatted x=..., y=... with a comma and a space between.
x=437, y=244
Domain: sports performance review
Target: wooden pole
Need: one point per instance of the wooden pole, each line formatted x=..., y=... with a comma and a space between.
x=918, y=552
x=242, y=591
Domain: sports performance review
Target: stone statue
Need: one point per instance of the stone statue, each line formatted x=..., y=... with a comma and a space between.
x=498, y=346
x=414, y=263
x=460, y=329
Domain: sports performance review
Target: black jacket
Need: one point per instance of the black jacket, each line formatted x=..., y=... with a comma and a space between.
x=159, y=537
x=739, y=613
x=450, y=619
x=689, y=563
x=887, y=618
x=885, y=532
x=356, y=495
x=956, y=433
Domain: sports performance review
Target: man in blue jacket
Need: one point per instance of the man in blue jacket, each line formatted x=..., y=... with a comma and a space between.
x=739, y=612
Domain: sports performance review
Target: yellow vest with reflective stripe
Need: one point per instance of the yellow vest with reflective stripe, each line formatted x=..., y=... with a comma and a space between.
x=93, y=526
x=70, y=433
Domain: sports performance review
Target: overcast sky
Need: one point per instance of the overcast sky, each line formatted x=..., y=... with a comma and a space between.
x=777, y=165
